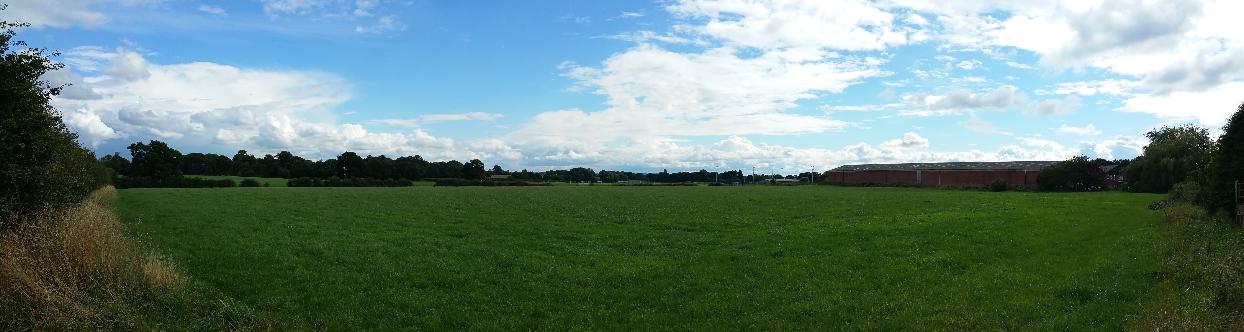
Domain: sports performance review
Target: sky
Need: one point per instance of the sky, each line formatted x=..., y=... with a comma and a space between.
x=780, y=86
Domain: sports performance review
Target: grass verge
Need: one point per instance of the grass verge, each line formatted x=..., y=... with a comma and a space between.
x=1204, y=273
x=73, y=269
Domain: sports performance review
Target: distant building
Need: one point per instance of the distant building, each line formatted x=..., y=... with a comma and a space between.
x=950, y=174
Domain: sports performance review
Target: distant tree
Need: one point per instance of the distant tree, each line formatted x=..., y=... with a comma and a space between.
x=1075, y=174
x=1228, y=163
x=155, y=160
x=473, y=170
x=41, y=164
x=1173, y=154
x=244, y=164
x=349, y=164
x=115, y=162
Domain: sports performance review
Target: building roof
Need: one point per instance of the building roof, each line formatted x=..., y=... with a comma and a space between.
x=996, y=166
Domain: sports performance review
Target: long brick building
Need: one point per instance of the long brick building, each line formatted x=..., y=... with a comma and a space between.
x=951, y=174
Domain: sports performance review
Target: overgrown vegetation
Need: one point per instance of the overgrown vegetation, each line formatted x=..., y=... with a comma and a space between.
x=72, y=268
x=41, y=164
x=1203, y=288
x=64, y=262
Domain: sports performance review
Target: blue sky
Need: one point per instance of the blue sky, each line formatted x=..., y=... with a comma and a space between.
x=678, y=84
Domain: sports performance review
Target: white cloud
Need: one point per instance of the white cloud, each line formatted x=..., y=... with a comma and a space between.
x=968, y=64
x=214, y=10
x=1119, y=147
x=1089, y=130
x=778, y=24
x=909, y=140
x=1112, y=87
x=962, y=101
x=654, y=92
x=55, y=13
x=203, y=106
x=1210, y=107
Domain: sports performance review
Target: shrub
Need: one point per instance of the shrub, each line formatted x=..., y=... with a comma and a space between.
x=350, y=182
x=1188, y=192
x=174, y=182
x=484, y=183
x=998, y=185
x=1075, y=174
x=41, y=164
x=248, y=182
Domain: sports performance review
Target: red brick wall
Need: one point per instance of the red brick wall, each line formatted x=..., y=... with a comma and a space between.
x=972, y=178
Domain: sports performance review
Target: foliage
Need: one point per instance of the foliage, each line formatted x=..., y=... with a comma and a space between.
x=1188, y=192
x=1228, y=163
x=41, y=164
x=657, y=258
x=173, y=182
x=998, y=185
x=484, y=183
x=473, y=170
x=154, y=160
x=350, y=182
x=248, y=182
x=1173, y=155
x=1075, y=174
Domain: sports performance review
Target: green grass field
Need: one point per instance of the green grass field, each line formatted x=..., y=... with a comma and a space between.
x=615, y=257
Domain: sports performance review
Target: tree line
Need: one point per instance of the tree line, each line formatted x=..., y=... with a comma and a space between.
x=1184, y=161
x=156, y=160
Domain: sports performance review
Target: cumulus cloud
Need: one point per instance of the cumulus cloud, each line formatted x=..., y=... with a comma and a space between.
x=203, y=106
x=1210, y=107
x=909, y=140
x=962, y=101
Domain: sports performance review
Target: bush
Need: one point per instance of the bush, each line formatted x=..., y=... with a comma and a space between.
x=484, y=183
x=41, y=164
x=351, y=182
x=1075, y=174
x=998, y=185
x=174, y=182
x=249, y=182
x=1188, y=192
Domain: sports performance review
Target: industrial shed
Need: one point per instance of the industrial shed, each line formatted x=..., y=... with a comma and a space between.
x=950, y=174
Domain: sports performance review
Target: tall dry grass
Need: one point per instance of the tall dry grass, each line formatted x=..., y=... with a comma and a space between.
x=73, y=268
x=1203, y=287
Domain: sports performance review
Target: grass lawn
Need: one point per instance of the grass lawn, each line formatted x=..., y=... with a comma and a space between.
x=272, y=182
x=617, y=257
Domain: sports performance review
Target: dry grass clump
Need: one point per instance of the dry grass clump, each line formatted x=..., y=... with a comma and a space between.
x=74, y=268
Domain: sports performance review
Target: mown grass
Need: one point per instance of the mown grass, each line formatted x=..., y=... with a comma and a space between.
x=616, y=257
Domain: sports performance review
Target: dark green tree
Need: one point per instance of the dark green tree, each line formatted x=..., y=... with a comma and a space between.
x=1228, y=163
x=1075, y=174
x=473, y=170
x=1173, y=155
x=154, y=160
x=41, y=164
x=349, y=164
